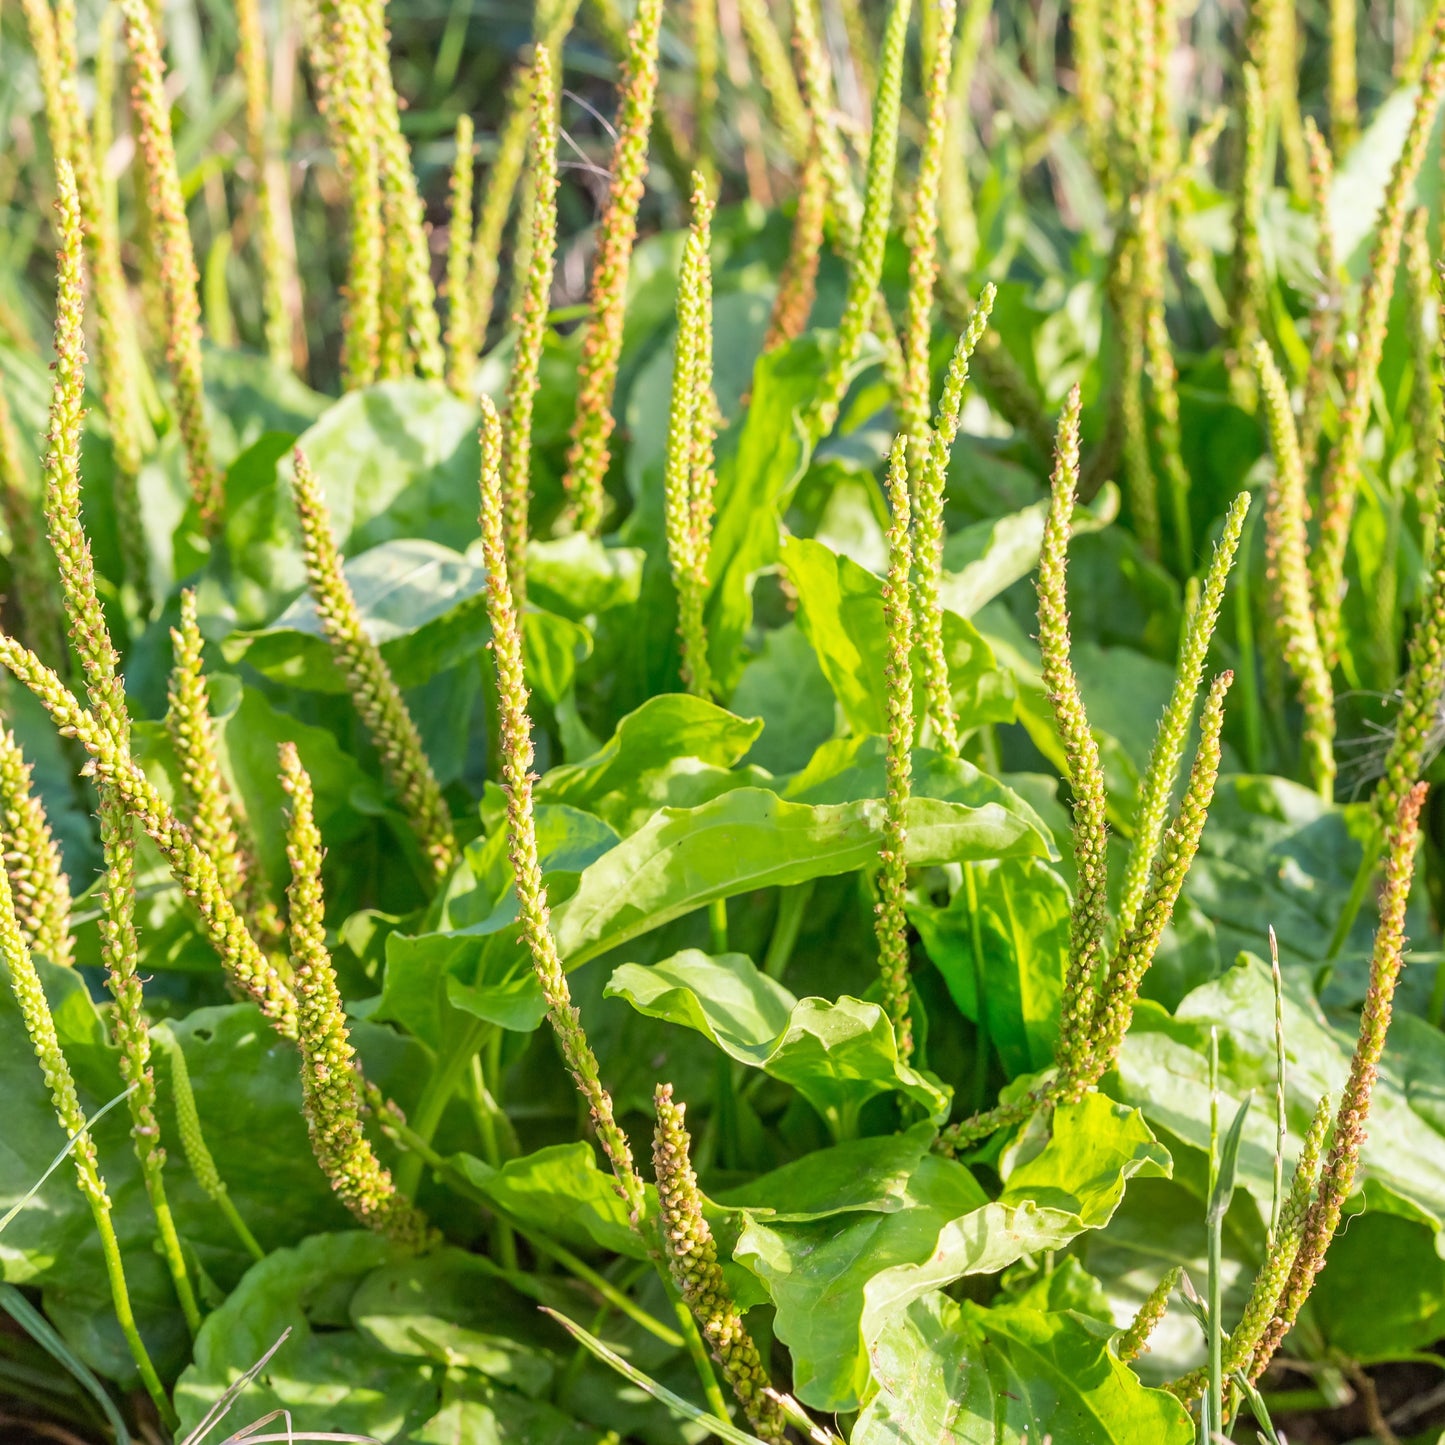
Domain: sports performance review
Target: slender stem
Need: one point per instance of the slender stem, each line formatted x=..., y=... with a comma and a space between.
x=125, y=1317
x=445, y=1079
x=484, y=1112
x=1216, y=1251
x=980, y=1057
x=717, y=916
x=1246, y=668
x=170, y=1242
x=1358, y=891
x=233, y=1218
x=792, y=908
x=703, y=1364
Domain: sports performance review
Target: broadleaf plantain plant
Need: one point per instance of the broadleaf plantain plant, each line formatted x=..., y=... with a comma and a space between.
x=749, y=675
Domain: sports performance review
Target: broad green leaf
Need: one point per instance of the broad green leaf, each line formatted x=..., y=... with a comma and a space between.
x=475, y=1412
x=840, y=609
x=677, y=862
x=1275, y=855
x=836, y=1287
x=837, y=1055
x=562, y=1191
x=576, y=575
x=451, y=1305
x=784, y=686
x=674, y=744
x=682, y=859
x=1010, y=1375
x=1002, y=946
x=327, y=1375
x=858, y=1174
x=397, y=460
x=987, y=558
x=421, y=603
x=471, y=959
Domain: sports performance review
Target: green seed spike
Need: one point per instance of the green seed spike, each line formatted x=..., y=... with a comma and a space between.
x=892, y=916
x=245, y=965
x=531, y=325
x=704, y=26
x=39, y=889
x=1328, y=305
x=867, y=261
x=52, y=36
x=403, y=214
x=687, y=472
x=1424, y=393
x=590, y=454
x=1081, y=752
x=928, y=533
x=40, y=1026
x=1342, y=471
x=1135, y=1340
x=1338, y=1175
x=1421, y=689
x=1287, y=550
x=100, y=665
x=1130, y=303
x=1163, y=767
x=193, y=1142
x=211, y=813
x=508, y=157
x=276, y=279
x=692, y=1261
x=1139, y=942
x=329, y=1081
x=1248, y=302
x=775, y=74
x=517, y=755
x=825, y=141
x=351, y=120
x=922, y=231
x=179, y=277
x=1241, y=1352
x=461, y=352
x=797, y=286
x=1344, y=90
x=1086, y=29
x=378, y=699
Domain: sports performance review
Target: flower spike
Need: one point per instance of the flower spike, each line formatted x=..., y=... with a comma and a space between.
x=39, y=889
x=328, y=1069
x=531, y=324
x=688, y=475
x=1287, y=550
x=592, y=430
x=378, y=699
x=866, y=269
x=928, y=532
x=692, y=1260
x=516, y=730
x=1338, y=1175
x=212, y=814
x=1163, y=767
x=1135, y=1340
x=461, y=350
x=179, y=278
x=1084, y=771
x=892, y=917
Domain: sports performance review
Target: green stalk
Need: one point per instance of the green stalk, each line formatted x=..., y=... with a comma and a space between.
x=711, y=1390
x=437, y=1093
